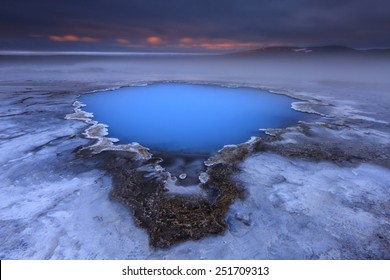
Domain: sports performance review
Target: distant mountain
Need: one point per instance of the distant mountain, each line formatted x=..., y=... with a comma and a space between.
x=309, y=51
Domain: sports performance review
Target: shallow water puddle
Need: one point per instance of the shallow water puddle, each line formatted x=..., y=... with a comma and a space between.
x=187, y=118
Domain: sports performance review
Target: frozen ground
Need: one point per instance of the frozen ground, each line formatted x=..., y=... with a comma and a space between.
x=317, y=190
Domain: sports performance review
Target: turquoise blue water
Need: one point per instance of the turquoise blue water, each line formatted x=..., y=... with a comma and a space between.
x=189, y=118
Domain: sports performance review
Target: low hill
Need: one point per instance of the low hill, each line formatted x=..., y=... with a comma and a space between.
x=309, y=51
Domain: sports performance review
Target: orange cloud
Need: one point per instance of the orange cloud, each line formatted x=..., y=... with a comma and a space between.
x=122, y=41
x=154, y=40
x=186, y=40
x=227, y=45
x=72, y=38
x=214, y=44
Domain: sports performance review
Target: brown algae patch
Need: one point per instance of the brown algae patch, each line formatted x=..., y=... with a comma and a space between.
x=170, y=218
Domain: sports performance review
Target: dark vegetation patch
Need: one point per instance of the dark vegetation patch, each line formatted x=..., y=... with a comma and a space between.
x=170, y=219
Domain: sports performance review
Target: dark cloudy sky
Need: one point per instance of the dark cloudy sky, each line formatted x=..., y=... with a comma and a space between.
x=191, y=25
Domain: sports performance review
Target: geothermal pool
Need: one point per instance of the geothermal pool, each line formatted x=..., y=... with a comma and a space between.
x=188, y=118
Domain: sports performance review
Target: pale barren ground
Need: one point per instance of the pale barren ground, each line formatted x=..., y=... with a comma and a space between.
x=319, y=190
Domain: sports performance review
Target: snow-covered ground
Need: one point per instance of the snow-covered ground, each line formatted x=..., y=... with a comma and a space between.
x=320, y=189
